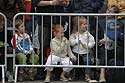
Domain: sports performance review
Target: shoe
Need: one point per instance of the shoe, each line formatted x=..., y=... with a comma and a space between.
x=31, y=75
x=93, y=81
x=102, y=79
x=47, y=79
x=87, y=78
x=70, y=79
x=63, y=78
x=20, y=78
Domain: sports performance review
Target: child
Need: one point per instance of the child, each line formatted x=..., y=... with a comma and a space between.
x=112, y=31
x=60, y=50
x=82, y=42
x=24, y=51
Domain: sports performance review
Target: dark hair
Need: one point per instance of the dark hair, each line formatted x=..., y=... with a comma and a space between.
x=116, y=9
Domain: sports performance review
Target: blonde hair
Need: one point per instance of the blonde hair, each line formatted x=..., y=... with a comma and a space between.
x=18, y=23
x=81, y=20
x=56, y=28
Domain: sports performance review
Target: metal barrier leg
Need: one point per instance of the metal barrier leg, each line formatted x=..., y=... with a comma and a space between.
x=3, y=77
x=16, y=70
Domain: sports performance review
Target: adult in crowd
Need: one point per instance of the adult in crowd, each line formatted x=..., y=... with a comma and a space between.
x=2, y=43
x=8, y=7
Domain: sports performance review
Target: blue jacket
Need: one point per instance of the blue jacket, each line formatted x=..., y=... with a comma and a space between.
x=110, y=29
x=21, y=44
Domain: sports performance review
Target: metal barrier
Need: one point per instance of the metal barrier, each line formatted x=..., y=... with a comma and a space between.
x=70, y=15
x=5, y=48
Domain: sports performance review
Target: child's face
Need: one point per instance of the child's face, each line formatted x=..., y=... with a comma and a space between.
x=60, y=33
x=21, y=28
x=83, y=26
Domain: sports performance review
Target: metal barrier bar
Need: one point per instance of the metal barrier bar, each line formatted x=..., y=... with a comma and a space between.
x=4, y=66
x=68, y=14
x=70, y=66
x=96, y=39
x=3, y=72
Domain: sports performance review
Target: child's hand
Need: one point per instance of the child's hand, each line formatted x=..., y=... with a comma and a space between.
x=74, y=58
x=38, y=51
x=74, y=35
x=64, y=2
x=102, y=41
x=30, y=51
x=80, y=42
x=64, y=41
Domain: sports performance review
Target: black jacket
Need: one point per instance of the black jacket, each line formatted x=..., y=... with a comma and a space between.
x=8, y=7
x=85, y=6
x=48, y=9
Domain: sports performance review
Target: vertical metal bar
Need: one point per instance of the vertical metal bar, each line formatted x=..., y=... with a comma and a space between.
x=60, y=38
x=16, y=73
x=78, y=37
x=23, y=35
x=124, y=40
x=87, y=38
x=14, y=53
x=14, y=28
x=69, y=29
x=51, y=36
x=115, y=38
x=3, y=72
x=33, y=39
x=97, y=39
x=106, y=43
x=41, y=35
x=5, y=25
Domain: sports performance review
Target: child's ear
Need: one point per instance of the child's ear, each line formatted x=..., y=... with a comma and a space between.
x=54, y=33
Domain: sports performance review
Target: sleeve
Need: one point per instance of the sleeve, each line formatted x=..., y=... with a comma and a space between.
x=85, y=7
x=79, y=6
x=68, y=8
x=13, y=42
x=27, y=8
x=70, y=51
x=35, y=2
x=31, y=48
x=73, y=41
x=97, y=4
x=91, y=41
